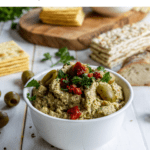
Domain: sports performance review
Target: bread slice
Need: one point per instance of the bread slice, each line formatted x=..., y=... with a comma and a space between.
x=136, y=69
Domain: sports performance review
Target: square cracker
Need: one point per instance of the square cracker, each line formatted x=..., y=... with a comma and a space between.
x=10, y=51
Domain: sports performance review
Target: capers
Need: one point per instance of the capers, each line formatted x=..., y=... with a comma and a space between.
x=12, y=99
x=26, y=75
x=112, y=79
x=106, y=92
x=4, y=119
x=49, y=77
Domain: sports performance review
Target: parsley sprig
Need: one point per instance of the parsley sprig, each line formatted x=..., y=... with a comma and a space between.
x=64, y=55
x=31, y=98
x=33, y=83
x=106, y=77
x=101, y=68
x=47, y=57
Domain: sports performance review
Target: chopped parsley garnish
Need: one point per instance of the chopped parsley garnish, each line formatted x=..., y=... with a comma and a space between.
x=61, y=74
x=101, y=68
x=84, y=80
x=68, y=63
x=31, y=98
x=66, y=81
x=106, y=77
x=33, y=83
x=64, y=89
x=64, y=56
x=47, y=57
x=90, y=69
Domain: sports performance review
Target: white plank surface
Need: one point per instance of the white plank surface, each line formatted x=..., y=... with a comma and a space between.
x=10, y=136
x=134, y=134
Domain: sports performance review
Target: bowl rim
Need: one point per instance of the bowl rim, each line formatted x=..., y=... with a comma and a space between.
x=26, y=90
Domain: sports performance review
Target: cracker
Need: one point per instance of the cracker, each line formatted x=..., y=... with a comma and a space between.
x=10, y=51
x=11, y=67
x=14, y=71
x=61, y=10
x=63, y=16
x=10, y=63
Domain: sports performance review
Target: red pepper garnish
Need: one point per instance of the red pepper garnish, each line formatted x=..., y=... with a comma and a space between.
x=74, y=89
x=62, y=83
x=74, y=113
x=77, y=91
x=79, y=69
x=97, y=75
x=71, y=88
x=90, y=75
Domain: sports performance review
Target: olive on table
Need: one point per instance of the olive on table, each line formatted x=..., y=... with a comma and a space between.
x=26, y=75
x=112, y=79
x=106, y=92
x=49, y=77
x=4, y=119
x=12, y=98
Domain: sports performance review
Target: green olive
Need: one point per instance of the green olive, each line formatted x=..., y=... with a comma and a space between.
x=26, y=75
x=106, y=92
x=0, y=93
x=112, y=79
x=3, y=119
x=12, y=99
x=49, y=77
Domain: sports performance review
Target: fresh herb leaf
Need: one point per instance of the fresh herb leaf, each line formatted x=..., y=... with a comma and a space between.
x=64, y=56
x=101, y=68
x=47, y=57
x=84, y=81
x=68, y=63
x=90, y=69
x=11, y=13
x=66, y=81
x=106, y=77
x=62, y=51
x=61, y=74
x=31, y=98
x=33, y=83
x=13, y=25
x=64, y=89
x=76, y=80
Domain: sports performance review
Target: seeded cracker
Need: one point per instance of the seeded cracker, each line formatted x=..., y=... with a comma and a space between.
x=113, y=47
x=12, y=58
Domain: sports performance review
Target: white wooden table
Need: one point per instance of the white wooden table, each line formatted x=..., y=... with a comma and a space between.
x=16, y=135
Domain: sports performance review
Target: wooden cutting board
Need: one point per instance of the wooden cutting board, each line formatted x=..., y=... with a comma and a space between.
x=75, y=38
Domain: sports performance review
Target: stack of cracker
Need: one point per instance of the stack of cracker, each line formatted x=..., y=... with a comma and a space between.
x=12, y=58
x=113, y=47
x=65, y=16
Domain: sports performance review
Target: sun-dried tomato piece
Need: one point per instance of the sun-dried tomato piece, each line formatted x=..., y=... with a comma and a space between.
x=90, y=75
x=77, y=91
x=79, y=69
x=74, y=112
x=73, y=89
x=97, y=75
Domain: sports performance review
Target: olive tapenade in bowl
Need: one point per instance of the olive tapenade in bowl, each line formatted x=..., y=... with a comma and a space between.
x=80, y=101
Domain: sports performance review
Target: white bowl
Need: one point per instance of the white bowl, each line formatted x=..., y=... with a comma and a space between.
x=111, y=11
x=79, y=134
